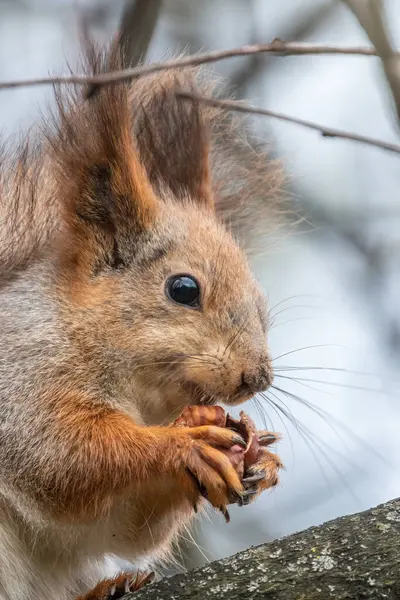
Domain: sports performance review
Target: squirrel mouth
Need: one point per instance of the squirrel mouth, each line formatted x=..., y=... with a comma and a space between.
x=197, y=394
x=239, y=398
x=200, y=396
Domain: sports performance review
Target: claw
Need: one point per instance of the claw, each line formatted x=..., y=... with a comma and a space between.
x=266, y=440
x=252, y=488
x=237, y=439
x=118, y=591
x=200, y=486
x=226, y=514
x=235, y=498
x=254, y=478
x=149, y=578
x=140, y=581
x=247, y=496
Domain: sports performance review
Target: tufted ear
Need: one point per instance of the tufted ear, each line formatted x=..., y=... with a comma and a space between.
x=106, y=195
x=173, y=135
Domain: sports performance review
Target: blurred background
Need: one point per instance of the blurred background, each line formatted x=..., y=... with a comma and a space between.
x=333, y=283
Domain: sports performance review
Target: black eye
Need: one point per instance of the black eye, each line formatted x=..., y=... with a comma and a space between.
x=184, y=289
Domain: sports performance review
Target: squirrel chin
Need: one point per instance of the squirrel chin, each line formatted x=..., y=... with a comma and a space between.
x=199, y=396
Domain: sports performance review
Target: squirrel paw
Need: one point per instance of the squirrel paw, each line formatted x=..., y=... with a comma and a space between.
x=262, y=474
x=209, y=468
x=113, y=589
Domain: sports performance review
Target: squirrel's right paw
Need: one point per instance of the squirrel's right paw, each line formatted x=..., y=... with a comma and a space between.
x=209, y=469
x=113, y=589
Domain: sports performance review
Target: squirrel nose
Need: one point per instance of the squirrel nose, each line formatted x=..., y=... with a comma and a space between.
x=255, y=381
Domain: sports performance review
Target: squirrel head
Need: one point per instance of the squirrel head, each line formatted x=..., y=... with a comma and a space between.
x=155, y=289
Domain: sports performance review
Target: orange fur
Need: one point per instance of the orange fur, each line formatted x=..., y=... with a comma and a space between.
x=99, y=453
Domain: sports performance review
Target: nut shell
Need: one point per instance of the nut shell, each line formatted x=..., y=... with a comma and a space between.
x=197, y=415
x=248, y=430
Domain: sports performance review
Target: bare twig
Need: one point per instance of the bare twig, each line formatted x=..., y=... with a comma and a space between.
x=325, y=131
x=138, y=22
x=371, y=16
x=304, y=25
x=137, y=25
x=277, y=48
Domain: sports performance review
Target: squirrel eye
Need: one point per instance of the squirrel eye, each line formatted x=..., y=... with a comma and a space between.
x=184, y=289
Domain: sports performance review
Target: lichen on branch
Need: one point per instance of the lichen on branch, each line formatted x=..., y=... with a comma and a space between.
x=355, y=557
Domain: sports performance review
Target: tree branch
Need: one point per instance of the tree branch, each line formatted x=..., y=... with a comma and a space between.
x=371, y=16
x=137, y=25
x=138, y=22
x=277, y=48
x=325, y=131
x=349, y=558
x=303, y=27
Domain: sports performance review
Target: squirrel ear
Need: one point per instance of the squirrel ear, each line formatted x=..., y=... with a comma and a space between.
x=107, y=198
x=173, y=135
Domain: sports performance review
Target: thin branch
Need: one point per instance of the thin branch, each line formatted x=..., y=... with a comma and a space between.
x=325, y=131
x=138, y=22
x=371, y=16
x=304, y=26
x=276, y=47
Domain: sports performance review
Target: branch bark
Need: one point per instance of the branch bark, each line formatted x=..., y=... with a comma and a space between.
x=351, y=558
x=277, y=47
x=304, y=26
x=138, y=22
x=371, y=16
x=322, y=129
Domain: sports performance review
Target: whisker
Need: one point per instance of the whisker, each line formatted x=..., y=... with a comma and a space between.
x=300, y=429
x=307, y=403
x=306, y=385
x=275, y=325
x=308, y=348
x=297, y=306
x=203, y=358
x=261, y=413
x=333, y=383
x=307, y=435
x=292, y=298
x=325, y=416
x=236, y=335
x=192, y=366
x=330, y=420
x=292, y=368
x=265, y=397
x=320, y=368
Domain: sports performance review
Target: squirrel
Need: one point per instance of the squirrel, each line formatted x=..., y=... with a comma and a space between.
x=124, y=297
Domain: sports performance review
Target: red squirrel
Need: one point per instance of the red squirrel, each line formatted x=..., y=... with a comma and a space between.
x=124, y=297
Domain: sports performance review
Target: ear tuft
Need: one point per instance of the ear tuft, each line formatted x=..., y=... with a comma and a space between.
x=107, y=198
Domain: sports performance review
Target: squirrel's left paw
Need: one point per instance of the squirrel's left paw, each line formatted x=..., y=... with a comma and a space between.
x=113, y=589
